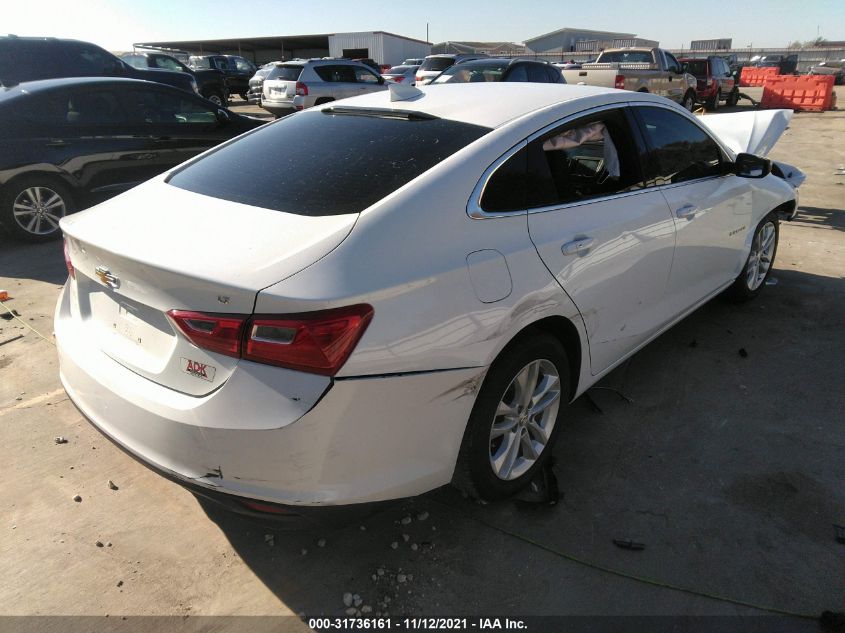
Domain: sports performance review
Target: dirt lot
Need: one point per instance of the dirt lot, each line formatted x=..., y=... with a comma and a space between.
x=728, y=467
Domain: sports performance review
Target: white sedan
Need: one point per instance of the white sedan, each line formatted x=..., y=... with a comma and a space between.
x=411, y=293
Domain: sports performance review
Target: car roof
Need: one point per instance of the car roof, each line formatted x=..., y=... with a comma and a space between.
x=489, y=104
x=45, y=85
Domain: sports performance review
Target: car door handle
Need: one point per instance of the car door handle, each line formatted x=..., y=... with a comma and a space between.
x=577, y=247
x=687, y=211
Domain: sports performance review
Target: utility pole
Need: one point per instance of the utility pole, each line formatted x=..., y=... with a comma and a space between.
x=426, y=32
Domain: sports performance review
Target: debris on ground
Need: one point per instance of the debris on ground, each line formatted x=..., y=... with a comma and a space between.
x=543, y=488
x=99, y=544
x=119, y=583
x=270, y=539
x=400, y=578
x=743, y=352
x=321, y=542
x=11, y=314
x=628, y=544
x=840, y=533
x=380, y=571
x=366, y=609
x=406, y=537
x=112, y=485
x=394, y=545
x=414, y=547
x=422, y=516
x=357, y=600
x=77, y=498
x=347, y=599
x=4, y=295
x=60, y=440
x=351, y=611
x=405, y=520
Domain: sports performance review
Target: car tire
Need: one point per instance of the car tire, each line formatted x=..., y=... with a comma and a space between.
x=504, y=444
x=217, y=99
x=713, y=103
x=760, y=262
x=49, y=199
x=243, y=96
x=688, y=102
x=733, y=98
x=323, y=100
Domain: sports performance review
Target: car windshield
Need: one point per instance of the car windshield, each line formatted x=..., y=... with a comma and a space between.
x=318, y=163
x=399, y=70
x=472, y=72
x=285, y=73
x=625, y=57
x=697, y=67
x=437, y=63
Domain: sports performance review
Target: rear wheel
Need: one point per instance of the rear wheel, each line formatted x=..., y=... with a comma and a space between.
x=760, y=260
x=217, y=99
x=30, y=208
x=733, y=98
x=713, y=103
x=516, y=418
x=688, y=102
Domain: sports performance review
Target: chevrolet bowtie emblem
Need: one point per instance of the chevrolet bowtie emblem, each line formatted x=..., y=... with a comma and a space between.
x=104, y=275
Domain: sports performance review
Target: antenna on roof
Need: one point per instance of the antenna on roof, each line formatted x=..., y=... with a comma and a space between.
x=403, y=92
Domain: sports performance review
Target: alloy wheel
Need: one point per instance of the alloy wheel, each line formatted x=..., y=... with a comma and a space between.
x=760, y=259
x=524, y=419
x=37, y=210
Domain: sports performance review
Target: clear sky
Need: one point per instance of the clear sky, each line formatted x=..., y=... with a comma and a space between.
x=117, y=24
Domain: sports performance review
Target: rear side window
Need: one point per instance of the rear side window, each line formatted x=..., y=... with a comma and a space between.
x=537, y=74
x=335, y=163
x=154, y=106
x=438, y=64
x=697, y=67
x=285, y=73
x=336, y=74
x=679, y=149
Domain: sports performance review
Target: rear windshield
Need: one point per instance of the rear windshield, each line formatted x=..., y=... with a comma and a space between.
x=285, y=73
x=319, y=164
x=697, y=67
x=437, y=63
x=399, y=70
x=625, y=57
x=472, y=72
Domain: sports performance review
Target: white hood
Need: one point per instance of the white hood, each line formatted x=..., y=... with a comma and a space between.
x=749, y=132
x=754, y=133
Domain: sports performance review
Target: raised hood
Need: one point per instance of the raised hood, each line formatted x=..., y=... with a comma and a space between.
x=749, y=132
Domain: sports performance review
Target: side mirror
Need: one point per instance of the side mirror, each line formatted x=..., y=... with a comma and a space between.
x=223, y=117
x=751, y=166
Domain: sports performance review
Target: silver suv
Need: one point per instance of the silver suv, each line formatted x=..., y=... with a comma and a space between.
x=301, y=84
x=433, y=65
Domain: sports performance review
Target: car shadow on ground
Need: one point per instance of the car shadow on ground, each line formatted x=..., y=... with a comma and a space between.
x=42, y=262
x=714, y=447
x=816, y=216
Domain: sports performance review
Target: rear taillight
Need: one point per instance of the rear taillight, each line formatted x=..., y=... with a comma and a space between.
x=221, y=333
x=301, y=89
x=70, y=270
x=398, y=79
x=619, y=83
x=314, y=342
x=418, y=78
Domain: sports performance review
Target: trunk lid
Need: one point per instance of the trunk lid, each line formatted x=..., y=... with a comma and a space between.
x=157, y=248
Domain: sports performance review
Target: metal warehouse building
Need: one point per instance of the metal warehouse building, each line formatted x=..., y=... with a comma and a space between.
x=383, y=47
x=570, y=40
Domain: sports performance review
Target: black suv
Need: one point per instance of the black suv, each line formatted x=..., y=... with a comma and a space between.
x=238, y=70
x=32, y=58
x=211, y=82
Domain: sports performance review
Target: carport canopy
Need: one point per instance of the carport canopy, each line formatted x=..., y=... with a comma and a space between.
x=257, y=49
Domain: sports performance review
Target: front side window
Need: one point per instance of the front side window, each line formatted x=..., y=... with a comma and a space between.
x=342, y=163
x=471, y=72
x=679, y=149
x=94, y=107
x=437, y=64
x=672, y=63
x=154, y=106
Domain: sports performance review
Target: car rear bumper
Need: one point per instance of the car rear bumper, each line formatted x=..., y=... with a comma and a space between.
x=279, y=107
x=366, y=440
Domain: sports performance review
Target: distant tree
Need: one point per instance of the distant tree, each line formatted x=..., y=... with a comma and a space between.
x=819, y=41
x=794, y=44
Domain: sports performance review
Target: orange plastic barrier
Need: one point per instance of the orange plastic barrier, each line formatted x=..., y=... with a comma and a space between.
x=750, y=76
x=811, y=93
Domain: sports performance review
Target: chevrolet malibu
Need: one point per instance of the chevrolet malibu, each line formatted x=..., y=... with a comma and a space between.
x=411, y=297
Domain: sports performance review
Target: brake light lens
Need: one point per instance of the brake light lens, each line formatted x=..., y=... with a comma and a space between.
x=301, y=89
x=619, y=83
x=216, y=333
x=418, y=78
x=315, y=342
x=398, y=79
x=70, y=269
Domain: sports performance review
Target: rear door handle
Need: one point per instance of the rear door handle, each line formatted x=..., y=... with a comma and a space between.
x=577, y=247
x=687, y=211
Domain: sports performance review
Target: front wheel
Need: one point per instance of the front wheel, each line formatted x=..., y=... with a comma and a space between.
x=713, y=103
x=760, y=260
x=30, y=208
x=217, y=99
x=689, y=101
x=733, y=98
x=516, y=418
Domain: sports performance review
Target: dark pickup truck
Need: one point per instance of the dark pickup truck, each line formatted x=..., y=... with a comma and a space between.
x=211, y=82
x=32, y=58
x=238, y=70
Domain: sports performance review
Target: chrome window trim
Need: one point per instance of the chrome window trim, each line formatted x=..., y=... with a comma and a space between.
x=475, y=211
